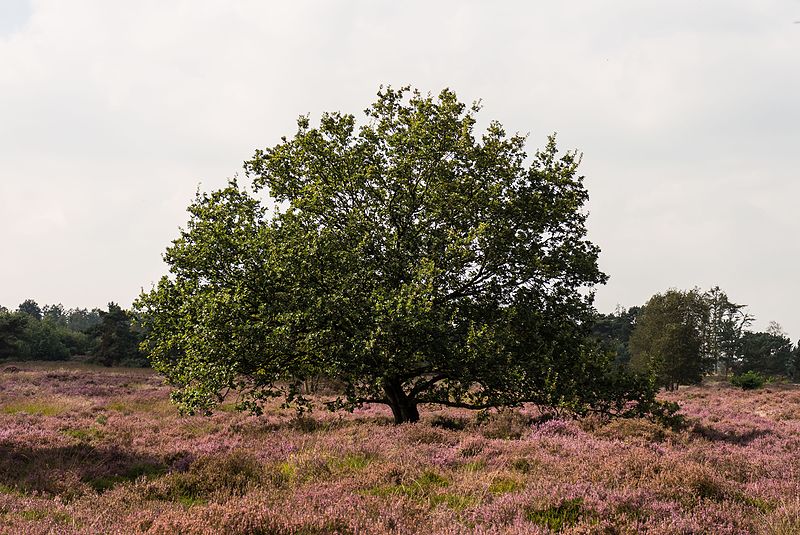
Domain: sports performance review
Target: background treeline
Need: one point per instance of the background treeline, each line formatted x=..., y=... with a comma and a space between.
x=682, y=336
x=679, y=336
x=52, y=332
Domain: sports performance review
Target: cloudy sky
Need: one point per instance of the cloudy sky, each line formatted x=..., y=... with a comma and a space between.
x=113, y=113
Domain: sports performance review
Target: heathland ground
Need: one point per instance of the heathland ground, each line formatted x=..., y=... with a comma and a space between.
x=96, y=450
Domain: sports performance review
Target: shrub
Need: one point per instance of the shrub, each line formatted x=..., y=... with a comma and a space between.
x=749, y=380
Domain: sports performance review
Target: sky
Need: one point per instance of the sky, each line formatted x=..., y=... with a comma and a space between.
x=114, y=113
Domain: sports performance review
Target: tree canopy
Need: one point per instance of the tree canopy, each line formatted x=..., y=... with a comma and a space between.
x=668, y=338
x=409, y=260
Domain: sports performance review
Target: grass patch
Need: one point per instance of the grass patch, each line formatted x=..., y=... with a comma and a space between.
x=352, y=462
x=191, y=501
x=35, y=515
x=37, y=408
x=5, y=489
x=456, y=502
x=427, y=487
x=505, y=485
x=556, y=518
x=144, y=470
x=421, y=486
x=762, y=505
x=84, y=435
x=159, y=407
x=523, y=465
x=474, y=466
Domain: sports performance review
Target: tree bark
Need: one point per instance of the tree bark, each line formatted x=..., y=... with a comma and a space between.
x=404, y=408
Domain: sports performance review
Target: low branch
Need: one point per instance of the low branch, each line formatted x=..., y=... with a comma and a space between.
x=459, y=404
x=424, y=385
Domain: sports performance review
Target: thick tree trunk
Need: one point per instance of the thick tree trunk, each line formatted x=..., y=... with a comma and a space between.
x=403, y=408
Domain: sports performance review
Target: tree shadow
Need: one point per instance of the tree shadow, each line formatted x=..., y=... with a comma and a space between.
x=739, y=438
x=71, y=471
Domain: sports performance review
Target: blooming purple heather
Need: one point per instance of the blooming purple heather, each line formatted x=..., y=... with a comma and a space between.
x=90, y=450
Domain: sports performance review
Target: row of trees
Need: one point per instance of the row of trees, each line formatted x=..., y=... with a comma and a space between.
x=52, y=332
x=681, y=336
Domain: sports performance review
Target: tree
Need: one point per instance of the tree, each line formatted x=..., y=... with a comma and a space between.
x=613, y=332
x=770, y=352
x=115, y=340
x=55, y=314
x=668, y=338
x=408, y=260
x=793, y=369
x=727, y=322
x=31, y=308
x=12, y=333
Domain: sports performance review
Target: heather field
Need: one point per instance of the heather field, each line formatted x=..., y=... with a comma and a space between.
x=90, y=450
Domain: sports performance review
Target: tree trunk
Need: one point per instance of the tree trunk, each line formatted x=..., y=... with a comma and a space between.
x=403, y=408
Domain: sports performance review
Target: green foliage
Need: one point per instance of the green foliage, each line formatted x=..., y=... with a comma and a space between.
x=46, y=333
x=408, y=259
x=726, y=326
x=12, y=333
x=668, y=338
x=115, y=342
x=31, y=308
x=613, y=332
x=749, y=380
x=766, y=353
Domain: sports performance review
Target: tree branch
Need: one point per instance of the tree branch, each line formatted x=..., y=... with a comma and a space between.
x=424, y=385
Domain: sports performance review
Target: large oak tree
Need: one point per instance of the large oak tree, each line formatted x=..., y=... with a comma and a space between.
x=408, y=259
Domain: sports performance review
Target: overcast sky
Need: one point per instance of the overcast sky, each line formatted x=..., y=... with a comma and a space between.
x=113, y=113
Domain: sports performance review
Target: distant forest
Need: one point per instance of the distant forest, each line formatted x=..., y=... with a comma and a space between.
x=51, y=332
x=677, y=336
x=682, y=336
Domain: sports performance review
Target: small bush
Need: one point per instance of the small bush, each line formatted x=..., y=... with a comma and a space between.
x=750, y=380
